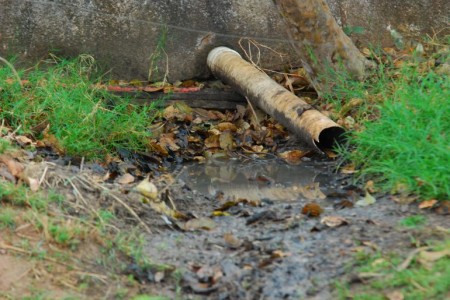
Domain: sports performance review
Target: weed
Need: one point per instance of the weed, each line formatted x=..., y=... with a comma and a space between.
x=413, y=221
x=7, y=218
x=4, y=145
x=352, y=30
x=157, y=56
x=421, y=280
x=85, y=120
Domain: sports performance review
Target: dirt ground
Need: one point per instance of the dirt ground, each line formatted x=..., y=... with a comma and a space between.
x=252, y=229
x=272, y=250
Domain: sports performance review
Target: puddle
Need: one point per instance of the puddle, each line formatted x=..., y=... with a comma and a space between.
x=270, y=179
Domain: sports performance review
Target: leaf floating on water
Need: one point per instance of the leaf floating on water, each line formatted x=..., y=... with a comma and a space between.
x=293, y=157
x=366, y=201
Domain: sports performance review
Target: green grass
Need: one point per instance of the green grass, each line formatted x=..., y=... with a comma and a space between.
x=4, y=145
x=407, y=148
x=7, y=216
x=20, y=196
x=420, y=280
x=86, y=120
x=401, y=125
x=413, y=221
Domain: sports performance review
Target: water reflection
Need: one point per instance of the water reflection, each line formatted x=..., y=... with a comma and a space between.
x=259, y=179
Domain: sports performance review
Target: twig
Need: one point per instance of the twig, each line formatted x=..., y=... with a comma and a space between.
x=41, y=180
x=81, y=165
x=130, y=210
x=253, y=111
x=80, y=196
x=405, y=264
x=102, y=278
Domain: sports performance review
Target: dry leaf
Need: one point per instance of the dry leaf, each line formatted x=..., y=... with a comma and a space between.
x=162, y=208
x=147, y=189
x=443, y=208
x=226, y=126
x=427, y=204
x=167, y=140
x=430, y=256
x=159, y=276
x=33, y=183
x=370, y=186
x=50, y=140
x=312, y=210
x=348, y=169
x=232, y=241
x=258, y=148
x=23, y=140
x=226, y=141
x=294, y=156
x=334, y=221
x=312, y=191
x=366, y=201
x=279, y=254
x=200, y=223
x=395, y=295
x=14, y=167
x=212, y=141
x=125, y=179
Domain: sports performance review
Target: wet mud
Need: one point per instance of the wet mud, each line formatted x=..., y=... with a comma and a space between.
x=259, y=241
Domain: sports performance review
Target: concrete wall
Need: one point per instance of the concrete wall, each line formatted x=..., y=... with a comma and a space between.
x=124, y=34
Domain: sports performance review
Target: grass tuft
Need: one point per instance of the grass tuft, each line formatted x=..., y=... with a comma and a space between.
x=407, y=147
x=62, y=97
x=422, y=279
x=398, y=122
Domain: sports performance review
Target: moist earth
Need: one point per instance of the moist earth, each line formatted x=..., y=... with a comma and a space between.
x=265, y=246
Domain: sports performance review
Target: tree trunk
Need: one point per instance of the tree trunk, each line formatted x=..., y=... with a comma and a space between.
x=321, y=44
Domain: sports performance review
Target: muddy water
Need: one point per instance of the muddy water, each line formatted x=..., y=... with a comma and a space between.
x=271, y=250
x=268, y=179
